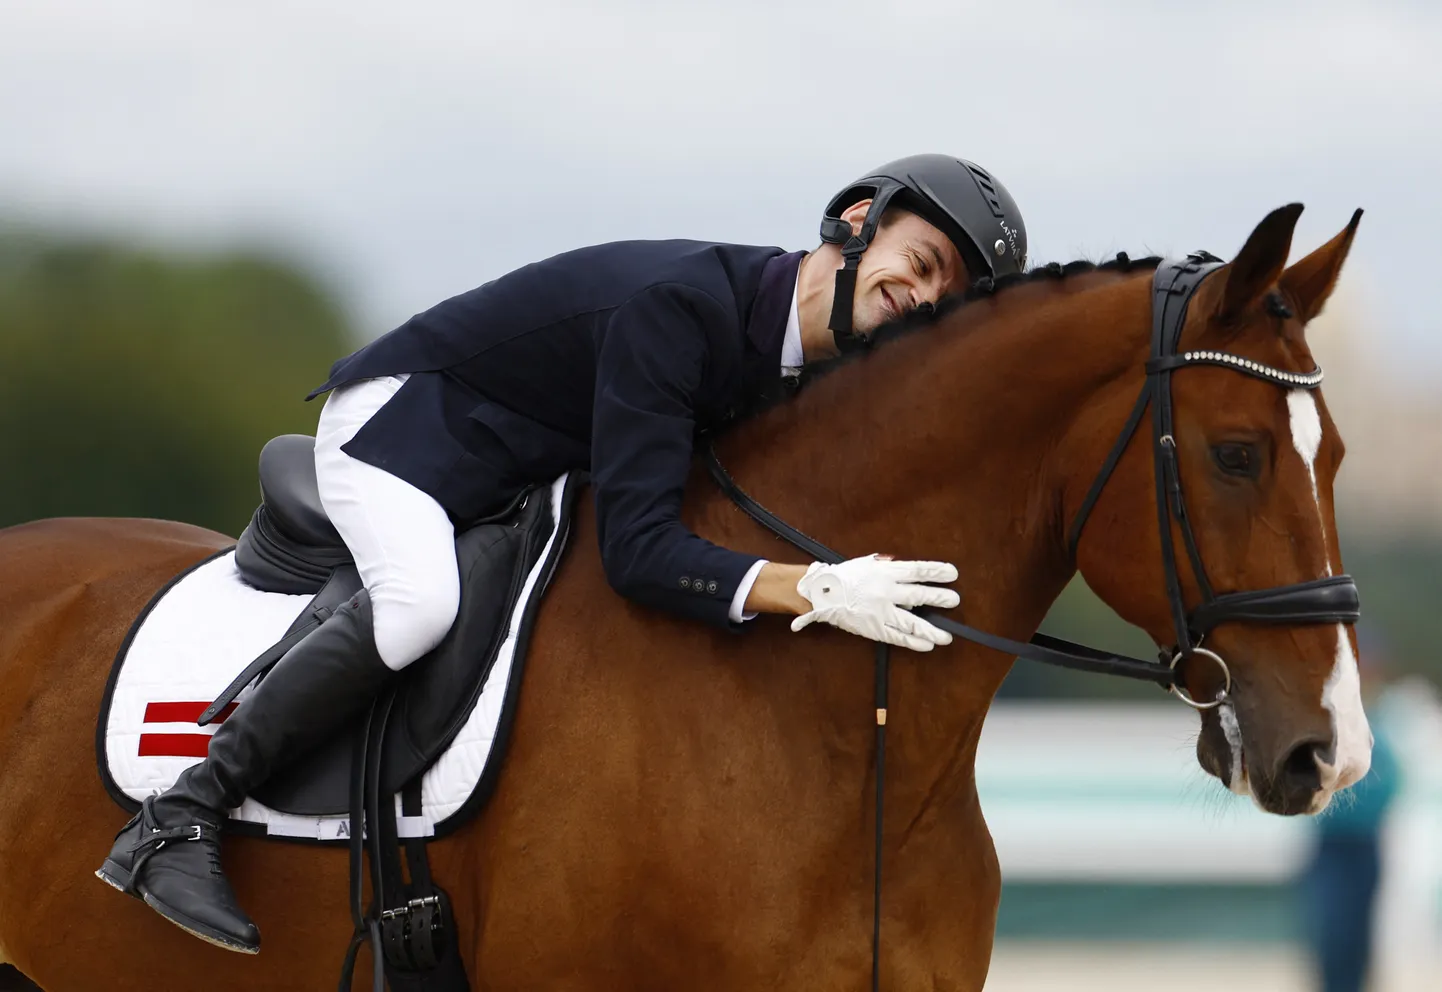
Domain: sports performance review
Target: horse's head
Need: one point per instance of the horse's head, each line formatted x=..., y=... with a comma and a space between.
x=1256, y=455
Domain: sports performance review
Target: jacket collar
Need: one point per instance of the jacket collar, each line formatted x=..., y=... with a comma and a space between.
x=766, y=331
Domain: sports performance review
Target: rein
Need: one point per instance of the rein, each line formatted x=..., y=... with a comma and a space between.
x=1042, y=647
x=1332, y=599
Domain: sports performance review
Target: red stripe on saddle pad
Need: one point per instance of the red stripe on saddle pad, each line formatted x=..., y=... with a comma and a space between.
x=174, y=745
x=184, y=712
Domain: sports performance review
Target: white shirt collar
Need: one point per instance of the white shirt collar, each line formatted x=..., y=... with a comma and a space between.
x=792, y=354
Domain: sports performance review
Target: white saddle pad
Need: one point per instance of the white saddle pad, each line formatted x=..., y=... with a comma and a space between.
x=202, y=631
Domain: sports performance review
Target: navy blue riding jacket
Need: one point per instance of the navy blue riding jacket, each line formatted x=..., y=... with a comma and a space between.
x=611, y=359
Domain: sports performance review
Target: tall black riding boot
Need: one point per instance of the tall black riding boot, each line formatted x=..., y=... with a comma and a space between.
x=169, y=854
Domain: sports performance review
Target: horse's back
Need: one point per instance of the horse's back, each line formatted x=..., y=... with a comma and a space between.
x=92, y=547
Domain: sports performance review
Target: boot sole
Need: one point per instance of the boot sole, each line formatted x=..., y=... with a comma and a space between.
x=198, y=929
x=118, y=878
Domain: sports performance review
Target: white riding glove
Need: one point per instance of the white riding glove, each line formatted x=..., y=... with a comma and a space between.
x=870, y=596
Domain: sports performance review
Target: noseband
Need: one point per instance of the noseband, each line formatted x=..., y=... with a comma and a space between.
x=1332, y=599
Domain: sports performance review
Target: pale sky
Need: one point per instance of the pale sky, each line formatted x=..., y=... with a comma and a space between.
x=409, y=151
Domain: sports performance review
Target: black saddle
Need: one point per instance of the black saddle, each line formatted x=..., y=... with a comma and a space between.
x=291, y=546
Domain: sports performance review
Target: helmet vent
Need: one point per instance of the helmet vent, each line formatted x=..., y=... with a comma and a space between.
x=988, y=189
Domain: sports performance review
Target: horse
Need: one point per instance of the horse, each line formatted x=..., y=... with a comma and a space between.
x=686, y=807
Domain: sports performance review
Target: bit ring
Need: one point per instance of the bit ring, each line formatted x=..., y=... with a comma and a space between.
x=1185, y=697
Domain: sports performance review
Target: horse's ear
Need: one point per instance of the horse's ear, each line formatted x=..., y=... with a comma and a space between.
x=1260, y=261
x=1310, y=281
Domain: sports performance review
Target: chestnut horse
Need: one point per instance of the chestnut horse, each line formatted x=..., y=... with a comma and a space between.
x=684, y=808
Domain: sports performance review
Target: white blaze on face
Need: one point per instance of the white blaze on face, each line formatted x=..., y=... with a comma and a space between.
x=1342, y=693
x=1307, y=439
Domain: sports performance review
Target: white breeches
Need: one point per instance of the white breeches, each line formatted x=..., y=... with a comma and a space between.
x=402, y=540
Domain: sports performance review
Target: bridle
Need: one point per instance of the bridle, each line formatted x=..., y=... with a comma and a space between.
x=1332, y=599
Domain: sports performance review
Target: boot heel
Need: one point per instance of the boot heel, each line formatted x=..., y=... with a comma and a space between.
x=116, y=877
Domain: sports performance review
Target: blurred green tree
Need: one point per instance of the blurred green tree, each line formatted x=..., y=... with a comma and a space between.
x=134, y=383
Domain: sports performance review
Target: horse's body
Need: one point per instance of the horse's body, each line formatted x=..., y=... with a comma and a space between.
x=680, y=807
x=707, y=831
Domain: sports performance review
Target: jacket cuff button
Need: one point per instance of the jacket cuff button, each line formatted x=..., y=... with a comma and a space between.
x=685, y=582
x=712, y=586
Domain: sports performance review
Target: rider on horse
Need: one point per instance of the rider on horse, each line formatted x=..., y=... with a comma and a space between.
x=609, y=358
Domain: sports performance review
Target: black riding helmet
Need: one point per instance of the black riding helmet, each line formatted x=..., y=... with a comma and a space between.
x=960, y=198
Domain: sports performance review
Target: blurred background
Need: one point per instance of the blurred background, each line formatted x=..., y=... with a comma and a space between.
x=202, y=206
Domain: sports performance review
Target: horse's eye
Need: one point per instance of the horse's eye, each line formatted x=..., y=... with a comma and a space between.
x=1236, y=459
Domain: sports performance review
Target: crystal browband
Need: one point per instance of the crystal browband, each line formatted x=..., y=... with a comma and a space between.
x=1301, y=380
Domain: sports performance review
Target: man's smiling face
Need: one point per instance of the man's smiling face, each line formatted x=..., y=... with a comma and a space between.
x=909, y=262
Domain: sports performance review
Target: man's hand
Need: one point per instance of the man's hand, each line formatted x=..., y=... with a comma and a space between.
x=870, y=597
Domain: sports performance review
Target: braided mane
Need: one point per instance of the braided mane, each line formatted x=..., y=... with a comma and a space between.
x=984, y=288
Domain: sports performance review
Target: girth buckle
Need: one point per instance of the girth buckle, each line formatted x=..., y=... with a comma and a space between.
x=410, y=907
x=413, y=935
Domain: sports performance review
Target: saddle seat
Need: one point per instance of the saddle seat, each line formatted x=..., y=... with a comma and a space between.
x=288, y=489
x=290, y=544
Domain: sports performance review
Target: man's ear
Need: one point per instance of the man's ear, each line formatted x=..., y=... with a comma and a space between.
x=855, y=215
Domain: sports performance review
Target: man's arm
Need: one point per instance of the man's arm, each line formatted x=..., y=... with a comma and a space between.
x=650, y=369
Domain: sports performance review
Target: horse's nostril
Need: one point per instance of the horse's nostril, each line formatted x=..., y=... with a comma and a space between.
x=1300, y=770
x=1299, y=779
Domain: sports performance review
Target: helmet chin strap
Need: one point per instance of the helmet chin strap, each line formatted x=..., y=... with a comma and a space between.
x=843, y=303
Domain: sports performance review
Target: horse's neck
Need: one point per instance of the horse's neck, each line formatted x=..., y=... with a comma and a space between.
x=951, y=448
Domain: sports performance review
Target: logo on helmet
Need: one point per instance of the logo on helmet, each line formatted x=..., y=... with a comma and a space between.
x=1011, y=236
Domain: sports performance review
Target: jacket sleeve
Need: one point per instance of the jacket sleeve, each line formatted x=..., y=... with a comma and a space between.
x=649, y=371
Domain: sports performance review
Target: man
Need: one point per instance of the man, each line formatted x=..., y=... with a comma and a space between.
x=610, y=359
